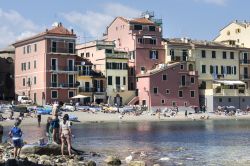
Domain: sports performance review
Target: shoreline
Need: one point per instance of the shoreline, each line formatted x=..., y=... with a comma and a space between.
x=86, y=118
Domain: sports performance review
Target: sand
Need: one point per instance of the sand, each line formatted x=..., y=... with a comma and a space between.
x=85, y=117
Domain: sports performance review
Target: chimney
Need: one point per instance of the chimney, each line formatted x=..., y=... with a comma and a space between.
x=60, y=24
x=72, y=31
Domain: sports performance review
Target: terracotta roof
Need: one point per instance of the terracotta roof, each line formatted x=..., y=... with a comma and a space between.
x=141, y=21
x=59, y=30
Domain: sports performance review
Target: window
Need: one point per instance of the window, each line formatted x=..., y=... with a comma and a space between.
x=172, y=54
x=182, y=67
x=231, y=55
x=140, y=40
x=24, y=50
x=142, y=69
x=82, y=54
x=23, y=81
x=124, y=80
x=109, y=80
x=132, y=71
x=144, y=102
x=174, y=103
x=54, y=45
x=203, y=53
x=224, y=55
x=35, y=47
x=153, y=54
x=164, y=77
x=235, y=70
x=213, y=54
x=87, y=55
x=237, y=30
x=24, y=66
x=34, y=64
x=211, y=69
x=34, y=97
x=70, y=94
x=220, y=100
x=109, y=51
x=35, y=80
x=229, y=70
x=243, y=100
x=167, y=91
x=151, y=28
x=229, y=100
x=162, y=101
x=54, y=94
x=155, y=90
x=54, y=80
x=180, y=93
x=203, y=69
x=152, y=41
x=28, y=65
x=192, y=93
x=28, y=48
x=228, y=33
x=137, y=27
x=192, y=80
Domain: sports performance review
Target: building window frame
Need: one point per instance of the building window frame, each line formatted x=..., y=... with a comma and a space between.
x=70, y=91
x=56, y=94
x=167, y=91
x=192, y=95
x=180, y=93
x=155, y=90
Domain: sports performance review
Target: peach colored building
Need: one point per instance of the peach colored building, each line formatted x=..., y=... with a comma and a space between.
x=168, y=85
x=142, y=38
x=45, y=66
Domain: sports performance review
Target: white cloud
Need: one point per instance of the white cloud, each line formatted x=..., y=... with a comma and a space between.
x=13, y=26
x=216, y=2
x=95, y=23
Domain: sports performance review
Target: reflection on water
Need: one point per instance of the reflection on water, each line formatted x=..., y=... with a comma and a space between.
x=166, y=143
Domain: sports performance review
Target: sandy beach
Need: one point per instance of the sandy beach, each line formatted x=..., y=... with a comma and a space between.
x=85, y=117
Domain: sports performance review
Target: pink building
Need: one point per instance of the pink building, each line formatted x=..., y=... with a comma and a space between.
x=168, y=85
x=45, y=66
x=142, y=38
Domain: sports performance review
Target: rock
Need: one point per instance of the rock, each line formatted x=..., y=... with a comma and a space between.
x=11, y=162
x=79, y=158
x=50, y=149
x=44, y=157
x=1, y=130
x=33, y=160
x=91, y=163
x=113, y=160
x=156, y=165
x=137, y=163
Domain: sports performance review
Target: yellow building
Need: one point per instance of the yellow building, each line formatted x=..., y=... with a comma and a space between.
x=113, y=64
x=218, y=69
x=235, y=33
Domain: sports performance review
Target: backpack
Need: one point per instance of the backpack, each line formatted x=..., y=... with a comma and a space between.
x=16, y=132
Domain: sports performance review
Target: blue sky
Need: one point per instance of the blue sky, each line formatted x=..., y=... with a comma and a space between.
x=197, y=19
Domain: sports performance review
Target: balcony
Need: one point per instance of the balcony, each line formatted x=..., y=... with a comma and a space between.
x=229, y=92
x=85, y=89
x=184, y=84
x=117, y=56
x=63, y=68
x=61, y=50
x=101, y=42
x=63, y=85
x=244, y=77
x=85, y=73
x=119, y=88
x=245, y=62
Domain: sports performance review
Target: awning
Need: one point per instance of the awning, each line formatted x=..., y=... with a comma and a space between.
x=226, y=82
x=79, y=97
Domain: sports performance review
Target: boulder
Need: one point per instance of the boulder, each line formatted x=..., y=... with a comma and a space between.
x=1, y=130
x=113, y=160
x=137, y=163
x=50, y=149
x=91, y=163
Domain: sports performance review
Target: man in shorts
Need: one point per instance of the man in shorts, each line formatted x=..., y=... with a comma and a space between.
x=16, y=135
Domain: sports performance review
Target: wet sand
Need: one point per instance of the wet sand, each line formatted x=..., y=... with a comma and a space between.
x=85, y=117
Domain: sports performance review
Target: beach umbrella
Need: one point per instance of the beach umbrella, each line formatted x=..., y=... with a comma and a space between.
x=79, y=97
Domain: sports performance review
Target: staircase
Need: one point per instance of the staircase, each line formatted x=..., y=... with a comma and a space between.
x=134, y=101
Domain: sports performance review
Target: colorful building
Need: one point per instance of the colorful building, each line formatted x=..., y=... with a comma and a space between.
x=235, y=33
x=142, y=38
x=113, y=64
x=218, y=68
x=45, y=66
x=92, y=83
x=169, y=85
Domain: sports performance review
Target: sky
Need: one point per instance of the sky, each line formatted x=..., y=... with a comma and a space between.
x=196, y=19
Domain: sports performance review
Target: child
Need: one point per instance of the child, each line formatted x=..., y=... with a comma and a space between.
x=16, y=135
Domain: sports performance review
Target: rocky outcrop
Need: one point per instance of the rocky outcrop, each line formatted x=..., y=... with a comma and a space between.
x=137, y=163
x=113, y=160
x=50, y=149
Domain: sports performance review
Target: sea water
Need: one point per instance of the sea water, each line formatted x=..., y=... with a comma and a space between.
x=208, y=142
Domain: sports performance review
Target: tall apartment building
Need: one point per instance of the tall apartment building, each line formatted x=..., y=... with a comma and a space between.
x=113, y=64
x=142, y=38
x=219, y=70
x=45, y=66
x=236, y=33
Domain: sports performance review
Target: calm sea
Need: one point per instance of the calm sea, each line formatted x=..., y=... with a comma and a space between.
x=208, y=142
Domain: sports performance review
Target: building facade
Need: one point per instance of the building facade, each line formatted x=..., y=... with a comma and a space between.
x=113, y=65
x=45, y=66
x=168, y=85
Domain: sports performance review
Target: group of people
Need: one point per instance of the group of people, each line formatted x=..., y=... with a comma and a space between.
x=57, y=132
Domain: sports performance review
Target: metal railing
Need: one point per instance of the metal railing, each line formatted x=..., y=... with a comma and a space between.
x=244, y=61
x=119, y=56
x=63, y=85
x=61, y=50
x=244, y=76
x=63, y=68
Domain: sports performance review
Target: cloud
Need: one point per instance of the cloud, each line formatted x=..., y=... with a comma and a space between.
x=216, y=2
x=13, y=26
x=95, y=23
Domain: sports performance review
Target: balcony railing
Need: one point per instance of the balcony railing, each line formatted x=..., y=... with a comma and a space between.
x=61, y=50
x=63, y=85
x=63, y=68
x=229, y=92
x=91, y=89
x=85, y=73
x=118, y=56
x=101, y=42
x=244, y=61
x=184, y=84
x=119, y=88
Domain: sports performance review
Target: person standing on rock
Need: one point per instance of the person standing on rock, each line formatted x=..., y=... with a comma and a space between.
x=65, y=132
x=16, y=135
x=54, y=127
